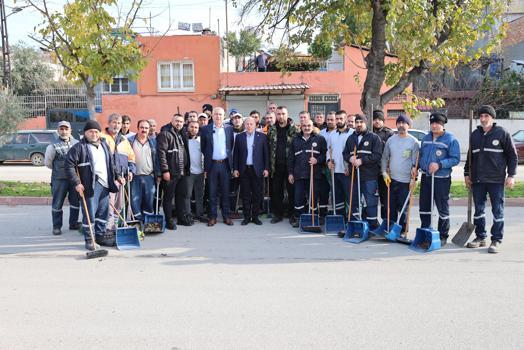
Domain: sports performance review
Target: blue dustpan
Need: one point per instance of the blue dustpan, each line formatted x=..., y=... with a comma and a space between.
x=357, y=232
x=394, y=232
x=154, y=219
x=335, y=223
x=305, y=223
x=127, y=238
x=382, y=230
x=426, y=240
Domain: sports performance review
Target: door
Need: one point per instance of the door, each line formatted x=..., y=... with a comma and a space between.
x=21, y=147
x=6, y=147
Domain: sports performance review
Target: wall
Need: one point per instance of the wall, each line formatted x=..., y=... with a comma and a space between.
x=204, y=51
x=321, y=82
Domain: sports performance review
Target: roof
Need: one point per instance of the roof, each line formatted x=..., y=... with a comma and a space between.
x=518, y=62
x=264, y=88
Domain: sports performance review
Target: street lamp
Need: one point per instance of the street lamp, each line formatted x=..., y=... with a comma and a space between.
x=6, y=62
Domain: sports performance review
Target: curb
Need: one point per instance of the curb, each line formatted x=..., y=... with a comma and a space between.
x=12, y=201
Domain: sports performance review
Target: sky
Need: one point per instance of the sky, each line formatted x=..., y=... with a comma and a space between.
x=20, y=25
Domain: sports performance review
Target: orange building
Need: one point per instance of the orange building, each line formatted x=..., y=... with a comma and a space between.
x=183, y=72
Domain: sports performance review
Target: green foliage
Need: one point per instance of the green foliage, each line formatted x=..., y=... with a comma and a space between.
x=11, y=112
x=285, y=59
x=505, y=94
x=90, y=44
x=321, y=47
x=29, y=73
x=245, y=44
x=424, y=35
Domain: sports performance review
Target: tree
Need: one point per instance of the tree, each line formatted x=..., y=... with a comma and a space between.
x=30, y=74
x=245, y=44
x=505, y=94
x=425, y=35
x=90, y=44
x=12, y=111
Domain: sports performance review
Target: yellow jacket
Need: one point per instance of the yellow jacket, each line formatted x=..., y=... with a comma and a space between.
x=123, y=149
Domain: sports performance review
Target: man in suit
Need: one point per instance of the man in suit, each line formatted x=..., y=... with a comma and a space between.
x=251, y=165
x=216, y=142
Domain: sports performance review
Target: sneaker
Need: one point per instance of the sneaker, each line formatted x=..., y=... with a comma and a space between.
x=57, y=231
x=476, y=243
x=494, y=248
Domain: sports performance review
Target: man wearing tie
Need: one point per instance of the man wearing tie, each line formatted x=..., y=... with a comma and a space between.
x=216, y=142
x=251, y=164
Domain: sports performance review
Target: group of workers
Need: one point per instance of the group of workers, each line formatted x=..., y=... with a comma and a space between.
x=200, y=162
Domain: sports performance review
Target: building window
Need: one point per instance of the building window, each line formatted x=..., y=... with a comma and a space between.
x=176, y=76
x=393, y=113
x=120, y=85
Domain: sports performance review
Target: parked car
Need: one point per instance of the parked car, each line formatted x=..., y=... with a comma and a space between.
x=26, y=145
x=518, y=138
x=416, y=133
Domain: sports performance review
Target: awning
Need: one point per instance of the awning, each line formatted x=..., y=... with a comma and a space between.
x=265, y=89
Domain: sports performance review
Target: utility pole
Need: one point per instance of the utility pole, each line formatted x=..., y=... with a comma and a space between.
x=6, y=80
x=227, y=51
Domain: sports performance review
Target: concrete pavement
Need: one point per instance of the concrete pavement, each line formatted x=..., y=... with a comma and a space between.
x=252, y=287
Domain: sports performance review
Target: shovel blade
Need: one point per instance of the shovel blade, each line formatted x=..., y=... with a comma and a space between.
x=463, y=234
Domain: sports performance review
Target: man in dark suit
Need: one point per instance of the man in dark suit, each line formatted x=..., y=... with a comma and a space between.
x=216, y=141
x=251, y=164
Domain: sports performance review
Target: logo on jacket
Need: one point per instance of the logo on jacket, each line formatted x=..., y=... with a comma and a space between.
x=495, y=142
x=314, y=144
x=438, y=153
x=366, y=143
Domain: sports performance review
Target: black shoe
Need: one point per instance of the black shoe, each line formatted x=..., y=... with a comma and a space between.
x=170, y=225
x=244, y=222
x=90, y=245
x=276, y=219
x=75, y=227
x=200, y=218
x=341, y=234
x=293, y=222
x=57, y=231
x=322, y=221
x=256, y=221
x=183, y=222
x=443, y=242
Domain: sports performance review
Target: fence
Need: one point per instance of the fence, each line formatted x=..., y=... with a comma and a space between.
x=58, y=98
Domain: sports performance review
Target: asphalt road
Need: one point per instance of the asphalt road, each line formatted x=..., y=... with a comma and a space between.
x=264, y=287
x=28, y=173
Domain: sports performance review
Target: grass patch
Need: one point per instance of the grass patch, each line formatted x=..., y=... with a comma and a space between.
x=459, y=190
x=43, y=189
x=25, y=189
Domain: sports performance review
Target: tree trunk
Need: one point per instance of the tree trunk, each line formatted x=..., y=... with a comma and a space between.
x=90, y=94
x=375, y=61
